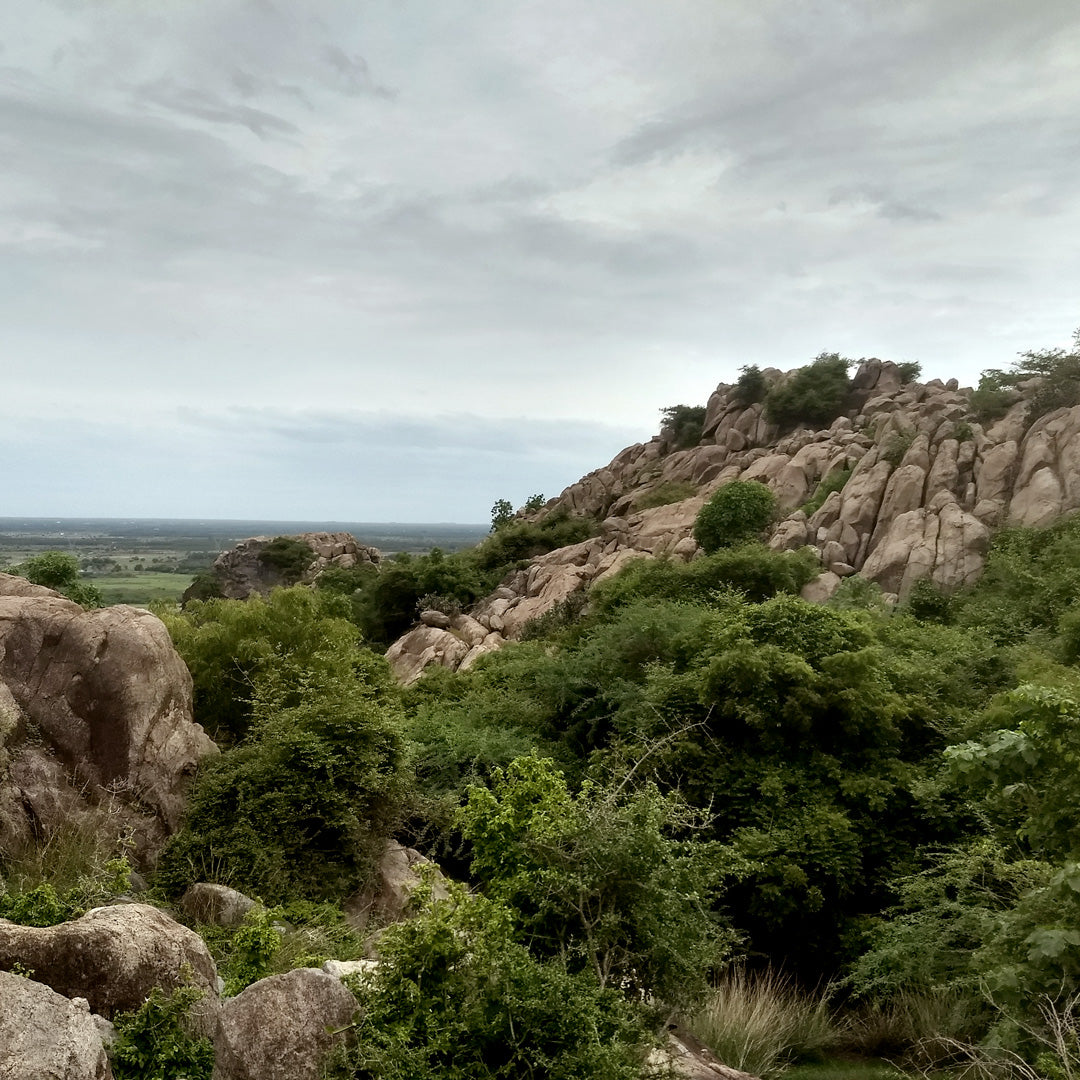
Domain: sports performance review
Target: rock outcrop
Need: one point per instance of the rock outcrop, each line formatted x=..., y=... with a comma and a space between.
x=219, y=905
x=44, y=1036
x=242, y=570
x=112, y=956
x=283, y=1027
x=95, y=709
x=389, y=898
x=926, y=484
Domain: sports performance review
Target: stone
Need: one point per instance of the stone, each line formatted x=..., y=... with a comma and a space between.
x=345, y=969
x=425, y=645
x=431, y=617
x=821, y=588
x=111, y=699
x=112, y=956
x=282, y=1027
x=217, y=904
x=44, y=1036
x=389, y=898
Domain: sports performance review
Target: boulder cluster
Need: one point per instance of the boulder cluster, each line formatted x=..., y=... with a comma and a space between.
x=241, y=571
x=926, y=483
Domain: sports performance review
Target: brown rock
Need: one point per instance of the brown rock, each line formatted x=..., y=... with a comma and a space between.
x=283, y=1027
x=112, y=956
x=389, y=898
x=44, y=1036
x=217, y=904
x=111, y=698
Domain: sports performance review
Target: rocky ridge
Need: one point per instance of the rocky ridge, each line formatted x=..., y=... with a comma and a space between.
x=241, y=571
x=928, y=482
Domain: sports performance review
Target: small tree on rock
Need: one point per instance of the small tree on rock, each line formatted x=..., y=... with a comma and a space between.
x=737, y=513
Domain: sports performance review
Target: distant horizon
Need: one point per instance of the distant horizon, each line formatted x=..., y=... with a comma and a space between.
x=201, y=520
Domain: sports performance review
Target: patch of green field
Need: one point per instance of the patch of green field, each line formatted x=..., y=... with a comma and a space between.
x=139, y=588
x=846, y=1069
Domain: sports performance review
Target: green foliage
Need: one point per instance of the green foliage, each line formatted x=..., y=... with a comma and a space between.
x=519, y=541
x=44, y=905
x=290, y=557
x=990, y=400
x=927, y=602
x=598, y=879
x=751, y=387
x=457, y=997
x=814, y=394
x=835, y=481
x=60, y=571
x=896, y=446
x=231, y=647
x=739, y=512
x=502, y=512
x=534, y=504
x=670, y=491
x=154, y=1042
x=1057, y=372
x=753, y=570
x=909, y=371
x=301, y=808
x=681, y=425
x=252, y=948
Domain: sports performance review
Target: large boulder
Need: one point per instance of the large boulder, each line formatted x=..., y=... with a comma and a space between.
x=283, y=1027
x=104, y=705
x=112, y=956
x=44, y=1036
x=206, y=902
x=244, y=570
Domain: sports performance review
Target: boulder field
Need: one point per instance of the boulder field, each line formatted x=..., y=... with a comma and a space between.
x=928, y=482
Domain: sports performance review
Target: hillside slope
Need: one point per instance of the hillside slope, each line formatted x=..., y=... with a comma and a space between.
x=927, y=483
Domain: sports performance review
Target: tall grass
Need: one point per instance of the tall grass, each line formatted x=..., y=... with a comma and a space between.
x=761, y=1022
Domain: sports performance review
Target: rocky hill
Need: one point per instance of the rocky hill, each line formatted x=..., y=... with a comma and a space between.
x=921, y=482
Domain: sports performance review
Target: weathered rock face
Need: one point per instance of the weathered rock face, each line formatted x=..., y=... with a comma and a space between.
x=241, y=572
x=96, y=706
x=282, y=1028
x=44, y=1036
x=217, y=904
x=113, y=956
x=927, y=483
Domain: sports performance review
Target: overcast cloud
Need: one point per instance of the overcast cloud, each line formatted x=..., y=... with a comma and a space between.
x=332, y=259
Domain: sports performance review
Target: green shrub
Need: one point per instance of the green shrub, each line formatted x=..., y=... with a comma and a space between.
x=1058, y=373
x=896, y=446
x=154, y=1042
x=60, y=571
x=670, y=491
x=909, y=371
x=835, y=481
x=814, y=394
x=301, y=810
x=740, y=511
x=290, y=557
x=989, y=400
x=927, y=602
x=681, y=425
x=751, y=386
x=456, y=997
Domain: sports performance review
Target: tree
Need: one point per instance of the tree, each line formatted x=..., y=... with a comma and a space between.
x=60, y=571
x=682, y=425
x=814, y=394
x=502, y=513
x=740, y=511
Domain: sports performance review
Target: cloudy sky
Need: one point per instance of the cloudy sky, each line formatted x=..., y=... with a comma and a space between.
x=352, y=260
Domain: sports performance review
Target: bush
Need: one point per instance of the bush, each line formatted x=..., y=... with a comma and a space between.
x=670, y=491
x=302, y=809
x=909, y=371
x=835, y=481
x=751, y=386
x=60, y=571
x=456, y=997
x=154, y=1042
x=290, y=557
x=681, y=425
x=740, y=511
x=1057, y=372
x=814, y=394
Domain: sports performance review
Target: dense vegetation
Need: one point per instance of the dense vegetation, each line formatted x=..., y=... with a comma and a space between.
x=697, y=796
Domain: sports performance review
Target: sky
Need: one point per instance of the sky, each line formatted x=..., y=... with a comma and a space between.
x=391, y=261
